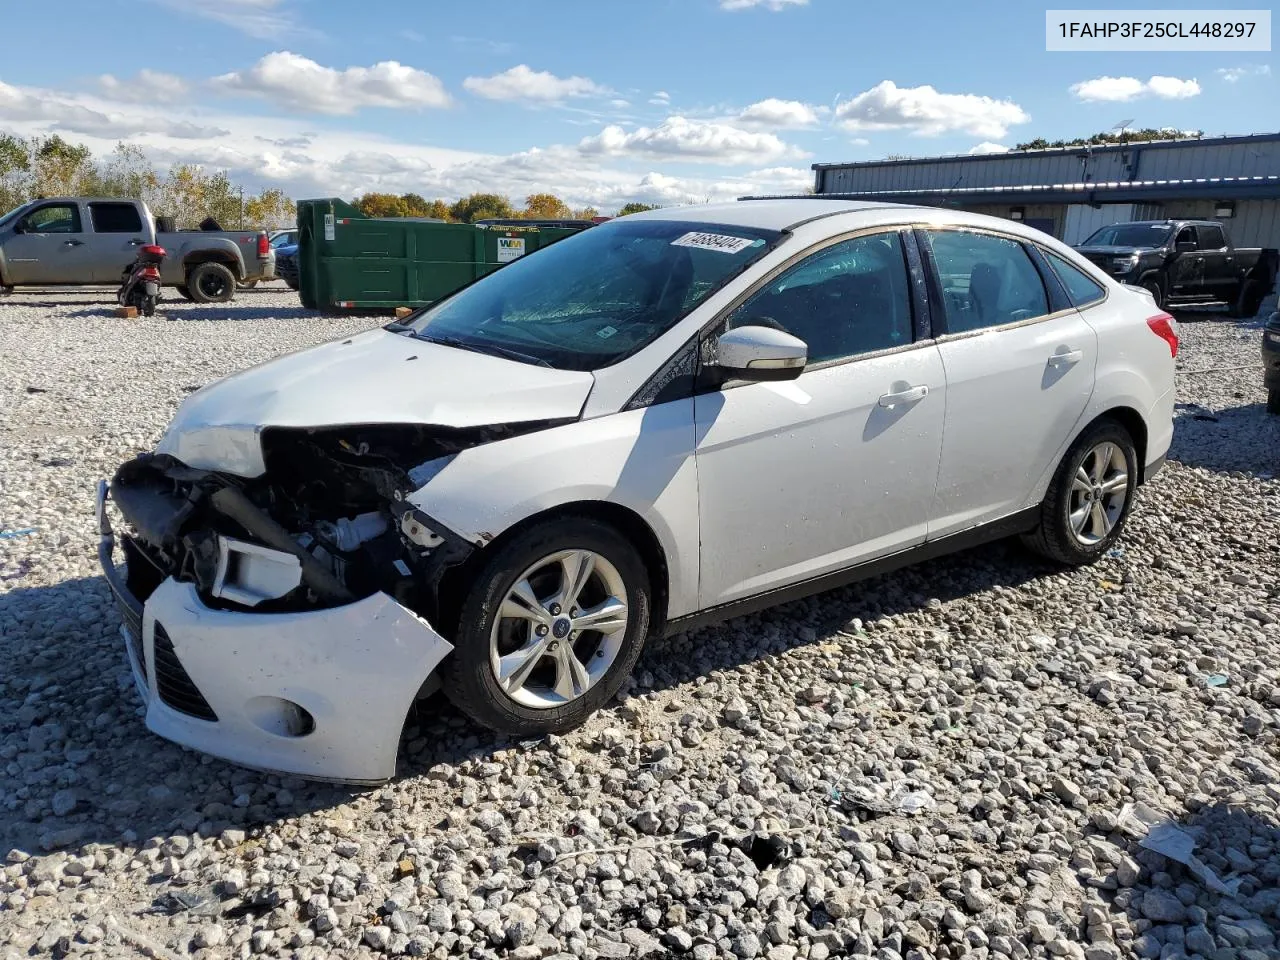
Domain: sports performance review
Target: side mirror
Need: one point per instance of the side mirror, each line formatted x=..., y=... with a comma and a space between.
x=761, y=353
x=1185, y=246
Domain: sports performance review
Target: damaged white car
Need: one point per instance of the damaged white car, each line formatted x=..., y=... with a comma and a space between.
x=672, y=417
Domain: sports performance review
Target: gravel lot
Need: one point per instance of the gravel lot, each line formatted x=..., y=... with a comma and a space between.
x=925, y=766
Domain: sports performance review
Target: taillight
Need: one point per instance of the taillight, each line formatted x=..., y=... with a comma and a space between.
x=264, y=245
x=1164, y=327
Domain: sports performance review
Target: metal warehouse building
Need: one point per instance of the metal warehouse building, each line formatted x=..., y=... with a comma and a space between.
x=1072, y=191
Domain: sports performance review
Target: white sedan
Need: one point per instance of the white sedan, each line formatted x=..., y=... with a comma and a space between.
x=673, y=417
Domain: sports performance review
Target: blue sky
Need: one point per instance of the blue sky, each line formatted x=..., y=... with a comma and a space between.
x=602, y=102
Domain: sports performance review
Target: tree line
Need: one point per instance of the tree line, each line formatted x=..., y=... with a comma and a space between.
x=52, y=167
x=481, y=206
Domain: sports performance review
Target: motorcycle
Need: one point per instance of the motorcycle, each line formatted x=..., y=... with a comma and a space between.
x=141, y=288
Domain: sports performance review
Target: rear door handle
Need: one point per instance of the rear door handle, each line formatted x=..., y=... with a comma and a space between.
x=134, y=243
x=910, y=395
x=1065, y=357
x=73, y=243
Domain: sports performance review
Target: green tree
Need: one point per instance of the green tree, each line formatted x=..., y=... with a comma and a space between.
x=481, y=206
x=419, y=206
x=586, y=213
x=1116, y=137
x=634, y=207
x=128, y=173
x=15, y=168
x=545, y=206
x=61, y=168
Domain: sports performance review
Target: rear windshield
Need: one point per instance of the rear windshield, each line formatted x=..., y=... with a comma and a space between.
x=1145, y=236
x=597, y=297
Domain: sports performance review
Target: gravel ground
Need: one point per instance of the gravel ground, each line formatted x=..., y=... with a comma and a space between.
x=923, y=766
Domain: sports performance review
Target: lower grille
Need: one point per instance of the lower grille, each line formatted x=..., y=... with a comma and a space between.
x=174, y=685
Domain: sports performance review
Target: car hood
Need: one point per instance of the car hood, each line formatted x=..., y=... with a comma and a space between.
x=374, y=377
x=1113, y=251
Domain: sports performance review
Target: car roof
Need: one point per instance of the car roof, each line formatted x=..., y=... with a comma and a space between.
x=773, y=214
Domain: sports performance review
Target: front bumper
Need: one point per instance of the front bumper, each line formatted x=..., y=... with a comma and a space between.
x=320, y=694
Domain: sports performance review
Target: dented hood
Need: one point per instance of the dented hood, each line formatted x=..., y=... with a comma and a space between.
x=374, y=377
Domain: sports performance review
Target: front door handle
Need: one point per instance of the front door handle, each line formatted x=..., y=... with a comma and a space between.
x=135, y=243
x=1064, y=357
x=73, y=243
x=910, y=395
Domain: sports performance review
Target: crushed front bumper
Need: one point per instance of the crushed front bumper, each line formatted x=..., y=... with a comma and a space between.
x=321, y=694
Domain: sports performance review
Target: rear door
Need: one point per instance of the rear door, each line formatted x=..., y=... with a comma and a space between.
x=1019, y=363
x=51, y=247
x=1219, y=266
x=118, y=231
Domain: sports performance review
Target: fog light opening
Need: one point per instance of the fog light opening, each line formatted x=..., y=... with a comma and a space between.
x=283, y=718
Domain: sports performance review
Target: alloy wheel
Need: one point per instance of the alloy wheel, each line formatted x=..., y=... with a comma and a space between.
x=559, y=629
x=1099, y=492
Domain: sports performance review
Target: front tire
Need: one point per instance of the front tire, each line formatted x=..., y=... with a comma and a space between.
x=1088, y=501
x=211, y=283
x=1152, y=285
x=551, y=627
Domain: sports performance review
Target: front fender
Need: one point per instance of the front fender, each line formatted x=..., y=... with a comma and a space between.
x=640, y=459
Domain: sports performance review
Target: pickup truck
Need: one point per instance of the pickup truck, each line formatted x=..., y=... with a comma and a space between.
x=91, y=240
x=1185, y=262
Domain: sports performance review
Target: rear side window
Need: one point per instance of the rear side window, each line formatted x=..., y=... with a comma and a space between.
x=1082, y=289
x=1211, y=238
x=987, y=281
x=115, y=218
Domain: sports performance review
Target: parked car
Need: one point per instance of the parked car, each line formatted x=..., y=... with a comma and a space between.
x=668, y=419
x=86, y=240
x=1186, y=262
x=287, y=264
x=1271, y=362
x=277, y=239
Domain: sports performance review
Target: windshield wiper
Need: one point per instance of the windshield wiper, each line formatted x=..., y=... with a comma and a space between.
x=486, y=348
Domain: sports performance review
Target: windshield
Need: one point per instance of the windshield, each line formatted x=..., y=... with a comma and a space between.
x=13, y=213
x=597, y=297
x=1146, y=236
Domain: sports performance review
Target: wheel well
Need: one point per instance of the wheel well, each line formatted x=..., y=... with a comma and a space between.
x=194, y=260
x=456, y=583
x=1132, y=421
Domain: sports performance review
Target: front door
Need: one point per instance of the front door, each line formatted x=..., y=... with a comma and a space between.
x=1186, y=273
x=1018, y=377
x=51, y=247
x=806, y=477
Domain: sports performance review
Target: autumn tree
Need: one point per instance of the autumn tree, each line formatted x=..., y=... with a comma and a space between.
x=546, y=206
x=586, y=213
x=128, y=173
x=381, y=205
x=270, y=209
x=634, y=207
x=419, y=206
x=1114, y=136
x=15, y=167
x=60, y=168
x=481, y=206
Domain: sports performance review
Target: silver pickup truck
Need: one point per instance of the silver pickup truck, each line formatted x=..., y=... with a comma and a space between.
x=88, y=240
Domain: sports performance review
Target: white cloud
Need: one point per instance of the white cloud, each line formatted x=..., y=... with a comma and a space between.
x=774, y=5
x=538, y=86
x=1131, y=88
x=694, y=140
x=925, y=111
x=148, y=86
x=264, y=19
x=299, y=83
x=779, y=114
x=56, y=112
x=1232, y=74
x=986, y=147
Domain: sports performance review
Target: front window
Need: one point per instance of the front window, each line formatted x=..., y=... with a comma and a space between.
x=597, y=297
x=1144, y=236
x=13, y=213
x=53, y=218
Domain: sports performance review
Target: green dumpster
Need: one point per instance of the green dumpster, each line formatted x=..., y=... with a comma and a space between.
x=347, y=261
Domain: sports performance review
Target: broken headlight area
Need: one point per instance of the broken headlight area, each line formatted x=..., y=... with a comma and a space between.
x=326, y=523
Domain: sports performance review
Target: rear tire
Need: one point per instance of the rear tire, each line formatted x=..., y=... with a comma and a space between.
x=211, y=283
x=488, y=632
x=1082, y=514
x=1273, y=401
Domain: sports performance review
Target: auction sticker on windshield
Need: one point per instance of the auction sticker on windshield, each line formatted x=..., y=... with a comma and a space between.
x=510, y=248
x=713, y=241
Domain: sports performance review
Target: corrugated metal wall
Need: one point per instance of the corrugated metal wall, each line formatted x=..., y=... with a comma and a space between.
x=1184, y=160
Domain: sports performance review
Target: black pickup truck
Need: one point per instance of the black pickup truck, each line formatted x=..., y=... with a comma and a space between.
x=1185, y=262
